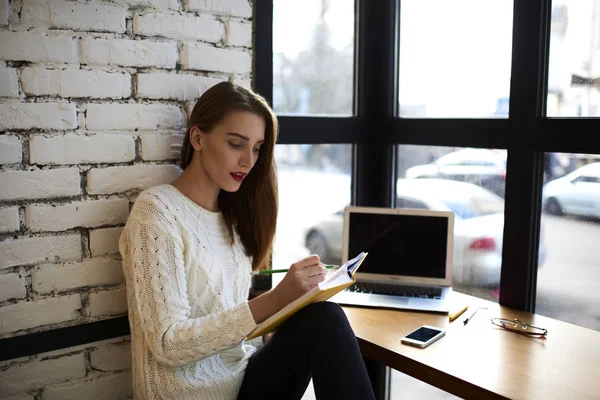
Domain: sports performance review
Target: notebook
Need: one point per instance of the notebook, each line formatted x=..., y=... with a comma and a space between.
x=410, y=258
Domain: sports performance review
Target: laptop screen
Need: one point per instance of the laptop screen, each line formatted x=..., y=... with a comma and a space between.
x=400, y=244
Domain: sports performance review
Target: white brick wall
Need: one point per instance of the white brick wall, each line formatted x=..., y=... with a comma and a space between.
x=81, y=149
x=204, y=57
x=157, y=147
x=105, y=387
x=105, y=241
x=92, y=94
x=9, y=219
x=38, y=115
x=10, y=149
x=129, y=53
x=12, y=286
x=235, y=8
x=38, y=47
x=3, y=12
x=48, y=183
x=88, y=214
x=178, y=26
x=111, y=358
x=75, y=82
x=134, y=116
x=62, y=14
x=26, y=251
x=30, y=314
x=239, y=34
x=9, y=82
x=108, y=302
x=121, y=179
x=25, y=376
x=173, y=86
x=46, y=278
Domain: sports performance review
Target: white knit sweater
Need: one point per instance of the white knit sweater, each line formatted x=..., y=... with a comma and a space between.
x=187, y=292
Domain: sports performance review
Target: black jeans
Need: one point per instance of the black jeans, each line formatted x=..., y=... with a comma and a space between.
x=315, y=342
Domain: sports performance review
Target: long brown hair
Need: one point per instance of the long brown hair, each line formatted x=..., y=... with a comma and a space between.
x=252, y=210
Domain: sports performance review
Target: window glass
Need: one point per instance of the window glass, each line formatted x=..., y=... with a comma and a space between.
x=314, y=186
x=574, y=63
x=455, y=58
x=454, y=179
x=313, y=57
x=567, y=282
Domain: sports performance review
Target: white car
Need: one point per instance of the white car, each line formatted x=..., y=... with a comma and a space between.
x=478, y=227
x=482, y=167
x=577, y=193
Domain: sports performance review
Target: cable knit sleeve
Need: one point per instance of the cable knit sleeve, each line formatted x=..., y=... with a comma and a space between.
x=156, y=282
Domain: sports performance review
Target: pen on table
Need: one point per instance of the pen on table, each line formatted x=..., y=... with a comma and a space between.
x=276, y=271
x=470, y=317
x=457, y=314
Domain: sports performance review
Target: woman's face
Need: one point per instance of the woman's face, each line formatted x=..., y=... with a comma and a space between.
x=229, y=152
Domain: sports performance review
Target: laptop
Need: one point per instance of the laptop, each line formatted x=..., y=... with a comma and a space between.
x=410, y=258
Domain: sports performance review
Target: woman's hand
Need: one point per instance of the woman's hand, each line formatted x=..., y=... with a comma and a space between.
x=302, y=276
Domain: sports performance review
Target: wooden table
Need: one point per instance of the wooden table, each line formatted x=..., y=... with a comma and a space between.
x=480, y=360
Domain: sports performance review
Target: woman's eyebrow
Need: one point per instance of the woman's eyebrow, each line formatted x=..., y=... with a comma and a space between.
x=245, y=138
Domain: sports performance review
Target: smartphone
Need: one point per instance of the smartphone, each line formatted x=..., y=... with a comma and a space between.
x=423, y=336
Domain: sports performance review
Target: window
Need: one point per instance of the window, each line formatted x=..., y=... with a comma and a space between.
x=567, y=283
x=313, y=57
x=574, y=69
x=455, y=58
x=472, y=194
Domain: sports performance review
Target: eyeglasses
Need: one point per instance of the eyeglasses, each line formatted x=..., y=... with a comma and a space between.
x=519, y=326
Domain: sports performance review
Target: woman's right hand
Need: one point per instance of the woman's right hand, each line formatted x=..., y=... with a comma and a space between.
x=302, y=276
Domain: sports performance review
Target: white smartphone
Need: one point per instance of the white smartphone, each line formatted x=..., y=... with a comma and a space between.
x=423, y=336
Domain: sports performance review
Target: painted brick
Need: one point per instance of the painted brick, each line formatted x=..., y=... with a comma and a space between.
x=87, y=214
x=134, y=116
x=239, y=34
x=111, y=358
x=178, y=26
x=38, y=115
x=12, y=286
x=9, y=219
x=108, y=302
x=10, y=149
x=244, y=83
x=30, y=314
x=34, y=250
x=105, y=241
x=3, y=12
x=81, y=149
x=205, y=57
x=94, y=16
x=38, y=47
x=39, y=184
x=233, y=8
x=158, y=147
x=158, y=4
x=46, y=278
x=105, y=387
x=136, y=177
x=173, y=86
x=75, y=82
x=9, y=82
x=128, y=53
x=37, y=374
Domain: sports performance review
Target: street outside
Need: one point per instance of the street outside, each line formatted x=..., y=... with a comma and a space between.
x=568, y=281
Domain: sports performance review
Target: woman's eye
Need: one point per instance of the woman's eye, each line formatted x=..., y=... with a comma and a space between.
x=235, y=145
x=257, y=150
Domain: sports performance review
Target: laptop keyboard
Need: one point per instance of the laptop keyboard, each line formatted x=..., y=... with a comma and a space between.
x=397, y=290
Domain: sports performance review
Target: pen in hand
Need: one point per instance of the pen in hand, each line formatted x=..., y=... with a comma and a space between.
x=275, y=271
x=470, y=317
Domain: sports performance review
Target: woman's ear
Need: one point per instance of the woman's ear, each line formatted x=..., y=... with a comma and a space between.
x=196, y=138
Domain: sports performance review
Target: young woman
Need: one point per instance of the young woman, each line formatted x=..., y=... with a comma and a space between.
x=188, y=251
